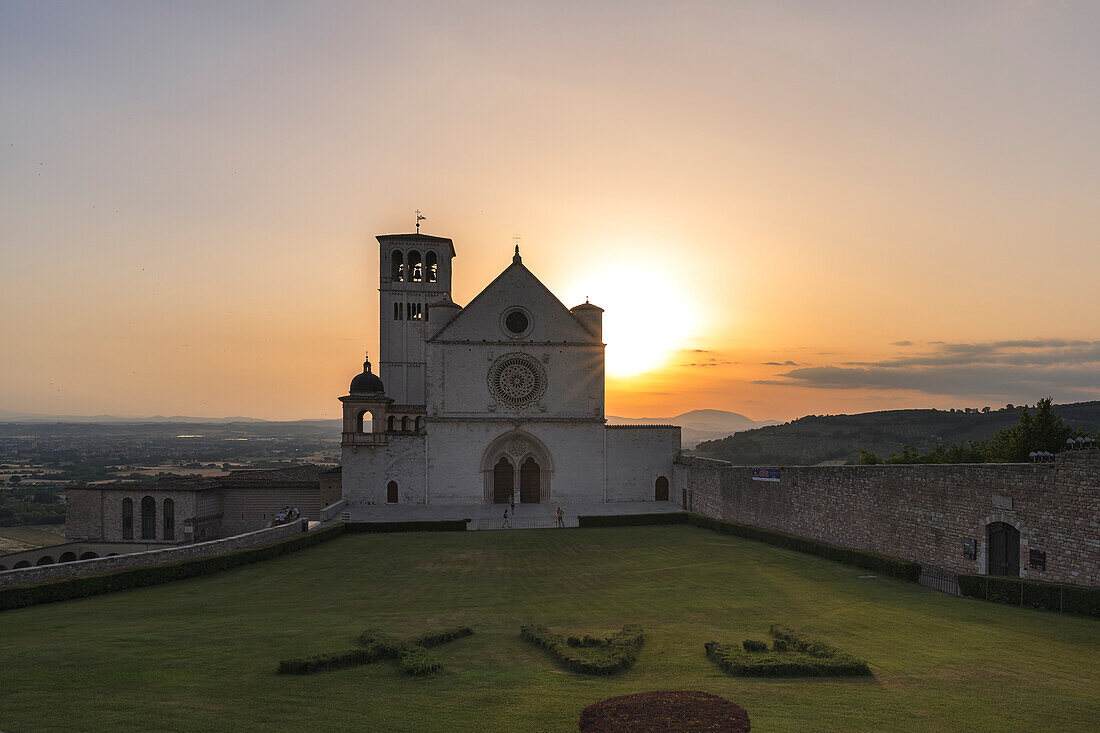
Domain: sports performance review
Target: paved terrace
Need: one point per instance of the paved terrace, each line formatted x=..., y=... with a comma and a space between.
x=490, y=516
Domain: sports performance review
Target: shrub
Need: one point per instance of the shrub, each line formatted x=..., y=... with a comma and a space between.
x=82, y=586
x=435, y=638
x=882, y=564
x=607, y=656
x=325, y=662
x=632, y=520
x=650, y=712
x=792, y=656
x=1032, y=593
x=751, y=645
x=411, y=654
x=442, y=525
x=418, y=660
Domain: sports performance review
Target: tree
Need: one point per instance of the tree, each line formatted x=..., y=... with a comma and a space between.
x=1043, y=431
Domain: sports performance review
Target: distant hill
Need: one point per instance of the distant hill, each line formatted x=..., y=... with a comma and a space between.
x=698, y=425
x=816, y=439
x=26, y=417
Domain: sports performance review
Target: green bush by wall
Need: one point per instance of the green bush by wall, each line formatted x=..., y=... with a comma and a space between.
x=1032, y=593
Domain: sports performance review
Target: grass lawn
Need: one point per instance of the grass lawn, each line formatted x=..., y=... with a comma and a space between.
x=201, y=654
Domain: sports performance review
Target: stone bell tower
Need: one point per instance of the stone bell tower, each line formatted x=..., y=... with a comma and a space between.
x=414, y=271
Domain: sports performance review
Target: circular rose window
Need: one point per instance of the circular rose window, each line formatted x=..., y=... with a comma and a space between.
x=517, y=380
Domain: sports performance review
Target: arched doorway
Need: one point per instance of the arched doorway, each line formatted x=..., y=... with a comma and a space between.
x=45, y=560
x=503, y=480
x=530, y=481
x=517, y=460
x=148, y=518
x=1004, y=549
x=660, y=489
x=67, y=557
x=391, y=492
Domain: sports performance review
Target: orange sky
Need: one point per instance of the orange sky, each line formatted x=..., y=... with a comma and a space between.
x=901, y=202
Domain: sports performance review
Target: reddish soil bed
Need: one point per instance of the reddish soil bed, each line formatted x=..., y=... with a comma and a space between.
x=663, y=712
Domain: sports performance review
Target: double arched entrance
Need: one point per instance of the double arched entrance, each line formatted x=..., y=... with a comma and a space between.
x=516, y=464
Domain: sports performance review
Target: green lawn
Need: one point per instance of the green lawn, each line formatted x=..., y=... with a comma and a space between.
x=201, y=654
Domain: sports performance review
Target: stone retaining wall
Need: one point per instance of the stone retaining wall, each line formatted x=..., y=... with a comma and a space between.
x=152, y=557
x=919, y=512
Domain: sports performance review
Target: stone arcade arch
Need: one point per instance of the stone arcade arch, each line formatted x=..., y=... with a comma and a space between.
x=67, y=557
x=517, y=461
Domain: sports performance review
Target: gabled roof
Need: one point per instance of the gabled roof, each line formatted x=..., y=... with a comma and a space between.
x=537, y=295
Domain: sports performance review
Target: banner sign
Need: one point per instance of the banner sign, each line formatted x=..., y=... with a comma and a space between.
x=765, y=474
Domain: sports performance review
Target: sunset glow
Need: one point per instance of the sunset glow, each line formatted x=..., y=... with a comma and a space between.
x=783, y=209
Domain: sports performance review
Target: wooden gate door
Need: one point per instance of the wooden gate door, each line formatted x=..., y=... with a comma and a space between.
x=530, y=481
x=1004, y=550
x=660, y=489
x=503, y=480
x=391, y=492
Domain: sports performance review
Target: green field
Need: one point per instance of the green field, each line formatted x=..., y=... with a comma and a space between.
x=201, y=654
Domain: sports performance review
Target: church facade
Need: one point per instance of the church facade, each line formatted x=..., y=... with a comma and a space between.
x=501, y=399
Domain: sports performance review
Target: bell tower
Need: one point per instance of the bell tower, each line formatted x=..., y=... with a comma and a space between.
x=414, y=271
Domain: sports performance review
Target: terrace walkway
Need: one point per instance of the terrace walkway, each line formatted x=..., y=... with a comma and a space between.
x=490, y=516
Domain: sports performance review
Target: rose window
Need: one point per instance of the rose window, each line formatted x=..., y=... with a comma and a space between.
x=516, y=380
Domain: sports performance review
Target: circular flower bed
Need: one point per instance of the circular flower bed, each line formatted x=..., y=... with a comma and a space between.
x=661, y=712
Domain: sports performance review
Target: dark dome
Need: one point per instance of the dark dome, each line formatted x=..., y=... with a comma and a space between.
x=367, y=383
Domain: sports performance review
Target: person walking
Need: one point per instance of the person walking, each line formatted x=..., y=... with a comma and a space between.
x=505, y=524
x=560, y=515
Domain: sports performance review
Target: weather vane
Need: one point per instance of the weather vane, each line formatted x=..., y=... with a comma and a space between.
x=419, y=218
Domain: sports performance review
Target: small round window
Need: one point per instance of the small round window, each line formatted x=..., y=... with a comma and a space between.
x=516, y=322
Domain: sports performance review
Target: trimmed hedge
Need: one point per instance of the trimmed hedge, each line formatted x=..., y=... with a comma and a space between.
x=793, y=655
x=418, y=660
x=751, y=645
x=94, y=584
x=326, y=662
x=612, y=654
x=632, y=520
x=882, y=564
x=664, y=711
x=442, y=525
x=1032, y=593
x=411, y=654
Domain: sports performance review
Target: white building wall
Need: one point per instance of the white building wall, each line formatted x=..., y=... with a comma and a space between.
x=456, y=451
x=367, y=470
x=636, y=456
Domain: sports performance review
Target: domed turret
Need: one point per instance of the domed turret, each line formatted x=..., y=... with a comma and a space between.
x=367, y=382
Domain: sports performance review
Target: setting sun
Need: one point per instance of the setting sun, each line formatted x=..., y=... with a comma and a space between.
x=640, y=329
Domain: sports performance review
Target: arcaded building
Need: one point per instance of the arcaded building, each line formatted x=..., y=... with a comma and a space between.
x=500, y=399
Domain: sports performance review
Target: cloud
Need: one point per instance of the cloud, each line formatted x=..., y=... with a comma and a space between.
x=779, y=363
x=710, y=363
x=1013, y=369
x=901, y=343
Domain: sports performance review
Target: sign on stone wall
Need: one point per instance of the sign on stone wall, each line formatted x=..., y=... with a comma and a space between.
x=1002, y=502
x=1037, y=559
x=765, y=474
x=970, y=549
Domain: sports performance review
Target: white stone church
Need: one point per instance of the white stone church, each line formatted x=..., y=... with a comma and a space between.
x=500, y=399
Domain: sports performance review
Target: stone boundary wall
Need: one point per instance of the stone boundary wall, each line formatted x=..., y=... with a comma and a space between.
x=919, y=512
x=23, y=576
x=332, y=510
